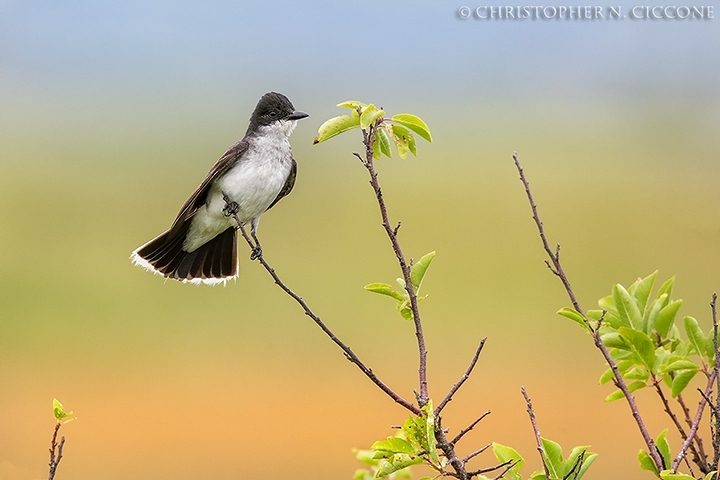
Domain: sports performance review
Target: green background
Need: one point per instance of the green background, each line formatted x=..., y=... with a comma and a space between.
x=110, y=115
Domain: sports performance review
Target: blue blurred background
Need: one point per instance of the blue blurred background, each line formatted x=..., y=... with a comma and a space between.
x=111, y=113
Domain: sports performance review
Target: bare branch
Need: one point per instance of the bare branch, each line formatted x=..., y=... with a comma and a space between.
x=468, y=428
x=540, y=448
x=716, y=372
x=507, y=463
x=560, y=273
x=404, y=266
x=476, y=453
x=56, y=451
x=462, y=380
x=349, y=354
x=696, y=422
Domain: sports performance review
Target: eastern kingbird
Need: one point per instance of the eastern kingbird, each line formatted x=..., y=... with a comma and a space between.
x=255, y=173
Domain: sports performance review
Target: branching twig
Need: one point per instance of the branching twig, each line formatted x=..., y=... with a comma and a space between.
x=56, y=451
x=462, y=380
x=540, y=448
x=696, y=422
x=560, y=273
x=404, y=266
x=716, y=372
x=476, y=453
x=468, y=428
x=508, y=463
x=349, y=354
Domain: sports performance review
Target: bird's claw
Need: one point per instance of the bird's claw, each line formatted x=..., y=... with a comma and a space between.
x=256, y=252
x=231, y=208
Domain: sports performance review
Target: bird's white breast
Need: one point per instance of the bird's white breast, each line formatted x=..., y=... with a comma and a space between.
x=253, y=183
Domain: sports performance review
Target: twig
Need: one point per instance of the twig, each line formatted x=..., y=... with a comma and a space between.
x=560, y=273
x=716, y=371
x=462, y=380
x=540, y=448
x=349, y=354
x=468, y=428
x=698, y=453
x=56, y=451
x=448, y=449
x=392, y=235
x=696, y=422
x=476, y=453
x=508, y=463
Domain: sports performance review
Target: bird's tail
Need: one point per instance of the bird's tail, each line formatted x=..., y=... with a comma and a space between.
x=212, y=263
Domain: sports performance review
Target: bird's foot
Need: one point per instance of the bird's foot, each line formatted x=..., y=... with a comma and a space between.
x=231, y=208
x=256, y=252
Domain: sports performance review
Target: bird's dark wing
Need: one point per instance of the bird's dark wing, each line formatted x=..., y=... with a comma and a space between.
x=289, y=184
x=197, y=199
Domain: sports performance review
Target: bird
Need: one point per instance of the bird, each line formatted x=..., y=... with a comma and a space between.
x=249, y=179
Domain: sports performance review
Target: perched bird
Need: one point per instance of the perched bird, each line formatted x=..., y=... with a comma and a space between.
x=254, y=174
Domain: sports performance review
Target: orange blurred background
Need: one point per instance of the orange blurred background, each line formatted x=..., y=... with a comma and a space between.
x=110, y=115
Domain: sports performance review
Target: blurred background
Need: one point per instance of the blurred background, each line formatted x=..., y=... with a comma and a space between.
x=112, y=113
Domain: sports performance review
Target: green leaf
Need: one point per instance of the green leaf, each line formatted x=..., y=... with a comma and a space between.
x=509, y=454
x=539, y=475
x=414, y=123
x=681, y=381
x=607, y=376
x=667, y=287
x=679, y=364
x=642, y=289
x=664, y=447
x=647, y=463
x=640, y=344
x=666, y=317
x=382, y=140
x=418, y=269
x=370, y=113
x=710, y=475
x=589, y=459
x=384, y=289
x=653, y=313
x=575, y=316
x=352, y=104
x=553, y=458
x=336, y=126
x=695, y=335
x=395, y=463
x=59, y=412
x=627, y=307
x=430, y=440
x=614, y=340
x=618, y=394
x=669, y=475
x=366, y=457
x=393, y=445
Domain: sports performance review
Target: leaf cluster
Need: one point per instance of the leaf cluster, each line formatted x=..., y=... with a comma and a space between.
x=571, y=468
x=60, y=414
x=414, y=443
x=417, y=273
x=648, y=348
x=399, y=129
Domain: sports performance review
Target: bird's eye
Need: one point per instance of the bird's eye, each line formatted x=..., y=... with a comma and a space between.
x=273, y=114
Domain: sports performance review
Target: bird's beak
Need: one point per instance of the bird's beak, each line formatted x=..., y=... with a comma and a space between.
x=297, y=115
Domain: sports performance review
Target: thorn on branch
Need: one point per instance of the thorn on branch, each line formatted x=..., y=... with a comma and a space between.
x=395, y=230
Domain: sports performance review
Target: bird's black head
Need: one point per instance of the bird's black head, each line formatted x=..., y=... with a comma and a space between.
x=273, y=107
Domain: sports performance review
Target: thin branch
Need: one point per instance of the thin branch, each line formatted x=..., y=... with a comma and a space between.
x=56, y=451
x=476, y=453
x=448, y=449
x=696, y=422
x=540, y=448
x=468, y=428
x=349, y=354
x=560, y=273
x=507, y=463
x=462, y=380
x=404, y=266
x=698, y=453
x=716, y=367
